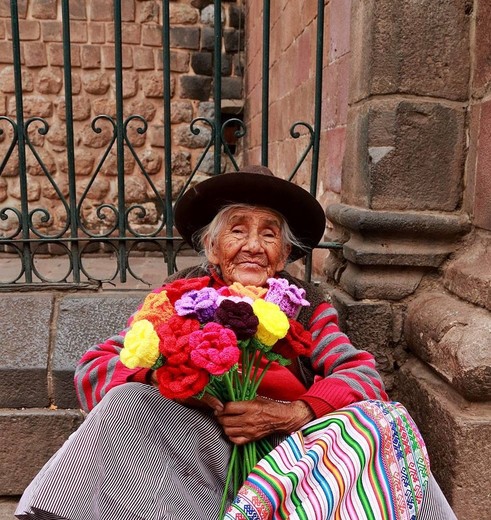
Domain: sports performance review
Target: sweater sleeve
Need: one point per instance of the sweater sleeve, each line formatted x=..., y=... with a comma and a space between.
x=100, y=369
x=345, y=374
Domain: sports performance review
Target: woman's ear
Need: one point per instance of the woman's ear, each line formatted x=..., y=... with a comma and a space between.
x=211, y=255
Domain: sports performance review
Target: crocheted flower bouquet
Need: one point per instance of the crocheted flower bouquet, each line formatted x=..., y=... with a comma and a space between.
x=221, y=341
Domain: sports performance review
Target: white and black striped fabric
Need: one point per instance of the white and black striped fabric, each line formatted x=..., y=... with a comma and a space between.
x=137, y=456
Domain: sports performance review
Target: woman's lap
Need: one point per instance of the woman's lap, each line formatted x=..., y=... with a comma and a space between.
x=137, y=455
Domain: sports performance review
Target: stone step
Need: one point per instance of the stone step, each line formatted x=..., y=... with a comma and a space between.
x=29, y=437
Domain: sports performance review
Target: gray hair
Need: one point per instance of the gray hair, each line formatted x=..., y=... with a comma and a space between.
x=207, y=235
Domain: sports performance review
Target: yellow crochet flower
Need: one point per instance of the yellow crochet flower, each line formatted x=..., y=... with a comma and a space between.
x=251, y=291
x=273, y=322
x=155, y=305
x=141, y=346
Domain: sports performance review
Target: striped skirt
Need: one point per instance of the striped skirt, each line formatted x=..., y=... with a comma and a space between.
x=139, y=456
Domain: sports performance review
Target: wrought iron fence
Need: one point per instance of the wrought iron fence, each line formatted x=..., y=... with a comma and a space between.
x=27, y=237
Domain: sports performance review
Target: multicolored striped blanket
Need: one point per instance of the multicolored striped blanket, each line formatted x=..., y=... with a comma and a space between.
x=365, y=461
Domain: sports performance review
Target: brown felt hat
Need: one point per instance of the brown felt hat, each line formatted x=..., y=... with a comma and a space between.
x=255, y=185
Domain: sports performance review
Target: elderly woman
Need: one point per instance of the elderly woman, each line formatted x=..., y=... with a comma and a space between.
x=141, y=455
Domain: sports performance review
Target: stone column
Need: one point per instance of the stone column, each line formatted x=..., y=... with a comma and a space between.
x=401, y=217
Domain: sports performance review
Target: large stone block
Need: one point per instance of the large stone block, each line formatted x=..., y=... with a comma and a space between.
x=468, y=274
x=24, y=338
x=382, y=170
x=454, y=337
x=81, y=323
x=28, y=438
x=457, y=436
x=419, y=48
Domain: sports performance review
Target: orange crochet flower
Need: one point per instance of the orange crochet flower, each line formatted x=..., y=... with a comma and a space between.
x=156, y=309
x=253, y=292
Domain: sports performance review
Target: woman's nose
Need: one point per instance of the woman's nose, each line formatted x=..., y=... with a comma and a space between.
x=252, y=243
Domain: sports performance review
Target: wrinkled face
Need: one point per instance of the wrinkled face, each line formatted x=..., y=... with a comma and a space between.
x=249, y=248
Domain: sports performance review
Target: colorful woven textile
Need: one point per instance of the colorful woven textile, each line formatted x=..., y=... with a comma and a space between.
x=365, y=461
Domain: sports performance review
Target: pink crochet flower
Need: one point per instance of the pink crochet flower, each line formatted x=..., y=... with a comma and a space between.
x=214, y=348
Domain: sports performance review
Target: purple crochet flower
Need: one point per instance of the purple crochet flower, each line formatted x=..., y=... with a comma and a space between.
x=202, y=304
x=288, y=297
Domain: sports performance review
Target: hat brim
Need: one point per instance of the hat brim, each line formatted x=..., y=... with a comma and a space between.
x=200, y=204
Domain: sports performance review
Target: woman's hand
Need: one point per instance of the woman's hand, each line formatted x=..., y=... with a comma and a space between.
x=246, y=421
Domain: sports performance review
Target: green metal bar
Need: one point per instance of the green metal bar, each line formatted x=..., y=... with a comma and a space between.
x=217, y=80
x=265, y=84
x=169, y=216
x=118, y=59
x=317, y=115
x=67, y=71
x=21, y=143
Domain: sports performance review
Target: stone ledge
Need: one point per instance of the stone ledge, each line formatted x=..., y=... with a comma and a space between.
x=457, y=436
x=29, y=439
x=389, y=252
x=454, y=337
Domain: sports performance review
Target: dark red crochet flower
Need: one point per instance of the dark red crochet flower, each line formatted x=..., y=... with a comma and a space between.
x=297, y=342
x=177, y=288
x=181, y=382
x=237, y=316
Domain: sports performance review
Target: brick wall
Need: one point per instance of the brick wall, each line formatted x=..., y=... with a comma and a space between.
x=292, y=90
x=93, y=76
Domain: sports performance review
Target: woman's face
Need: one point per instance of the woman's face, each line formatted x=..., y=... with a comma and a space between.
x=249, y=249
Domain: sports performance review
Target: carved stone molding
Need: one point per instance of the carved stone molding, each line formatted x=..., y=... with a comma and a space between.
x=388, y=252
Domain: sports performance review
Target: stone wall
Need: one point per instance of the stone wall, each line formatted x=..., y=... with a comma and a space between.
x=93, y=86
x=413, y=281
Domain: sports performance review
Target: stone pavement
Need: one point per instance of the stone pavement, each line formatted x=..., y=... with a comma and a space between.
x=7, y=508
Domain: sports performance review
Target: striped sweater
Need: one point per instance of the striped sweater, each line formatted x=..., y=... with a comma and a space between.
x=337, y=374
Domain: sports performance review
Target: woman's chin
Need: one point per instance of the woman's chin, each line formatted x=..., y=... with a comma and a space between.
x=257, y=277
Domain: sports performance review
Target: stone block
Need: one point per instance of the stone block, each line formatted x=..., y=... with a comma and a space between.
x=182, y=14
x=454, y=337
x=482, y=183
x=468, y=274
x=184, y=37
x=207, y=40
x=401, y=46
x=368, y=324
x=232, y=88
x=233, y=40
x=28, y=439
x=35, y=54
x=202, y=63
x=482, y=68
x=25, y=338
x=457, y=436
x=381, y=140
x=195, y=87
x=81, y=323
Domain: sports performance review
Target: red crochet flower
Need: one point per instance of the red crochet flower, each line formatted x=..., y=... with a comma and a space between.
x=297, y=342
x=174, y=342
x=181, y=382
x=177, y=288
x=214, y=348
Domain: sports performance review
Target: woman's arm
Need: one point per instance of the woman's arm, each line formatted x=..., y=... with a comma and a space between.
x=345, y=374
x=100, y=369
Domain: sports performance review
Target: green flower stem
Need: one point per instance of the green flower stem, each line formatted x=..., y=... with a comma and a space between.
x=229, y=386
x=246, y=373
x=260, y=378
x=231, y=470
